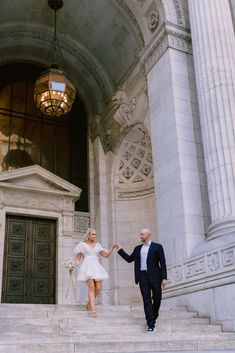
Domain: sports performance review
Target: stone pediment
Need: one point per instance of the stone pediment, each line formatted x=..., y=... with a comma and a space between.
x=37, y=178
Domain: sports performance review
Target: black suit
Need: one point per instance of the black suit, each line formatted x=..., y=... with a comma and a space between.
x=150, y=280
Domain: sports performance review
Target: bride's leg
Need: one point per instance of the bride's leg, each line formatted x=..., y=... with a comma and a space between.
x=98, y=287
x=91, y=294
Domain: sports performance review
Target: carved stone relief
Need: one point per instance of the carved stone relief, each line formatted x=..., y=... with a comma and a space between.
x=136, y=157
x=81, y=222
x=213, y=265
x=124, y=107
x=167, y=36
x=135, y=166
x=153, y=20
x=129, y=111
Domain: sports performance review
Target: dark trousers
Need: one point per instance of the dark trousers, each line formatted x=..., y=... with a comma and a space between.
x=151, y=294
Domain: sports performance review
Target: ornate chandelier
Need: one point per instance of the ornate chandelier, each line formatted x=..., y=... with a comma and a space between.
x=54, y=93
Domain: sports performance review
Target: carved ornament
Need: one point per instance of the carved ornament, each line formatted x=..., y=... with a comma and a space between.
x=211, y=266
x=153, y=20
x=168, y=36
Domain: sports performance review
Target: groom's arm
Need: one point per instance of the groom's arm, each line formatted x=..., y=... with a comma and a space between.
x=125, y=256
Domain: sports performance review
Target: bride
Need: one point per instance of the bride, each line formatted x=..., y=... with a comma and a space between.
x=91, y=271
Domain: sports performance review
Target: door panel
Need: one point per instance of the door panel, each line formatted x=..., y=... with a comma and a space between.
x=29, y=261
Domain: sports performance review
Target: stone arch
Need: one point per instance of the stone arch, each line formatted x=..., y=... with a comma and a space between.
x=35, y=48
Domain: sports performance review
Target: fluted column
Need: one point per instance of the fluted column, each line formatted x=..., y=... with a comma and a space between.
x=214, y=59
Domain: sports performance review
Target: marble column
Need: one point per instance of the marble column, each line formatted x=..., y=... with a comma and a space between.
x=214, y=59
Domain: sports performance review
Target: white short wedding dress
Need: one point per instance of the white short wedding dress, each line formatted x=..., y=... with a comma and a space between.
x=90, y=267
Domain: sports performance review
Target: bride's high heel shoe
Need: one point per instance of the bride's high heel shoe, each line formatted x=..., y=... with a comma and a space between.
x=87, y=306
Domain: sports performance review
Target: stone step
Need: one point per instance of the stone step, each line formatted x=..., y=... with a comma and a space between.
x=100, y=328
x=117, y=347
x=103, y=334
x=68, y=308
x=61, y=307
x=82, y=313
x=70, y=329
x=76, y=324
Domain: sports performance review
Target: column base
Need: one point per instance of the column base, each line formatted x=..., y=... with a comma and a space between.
x=221, y=228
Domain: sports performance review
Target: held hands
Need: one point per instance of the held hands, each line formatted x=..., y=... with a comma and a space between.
x=117, y=246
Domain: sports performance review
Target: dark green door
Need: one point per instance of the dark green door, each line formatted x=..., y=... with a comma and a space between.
x=29, y=261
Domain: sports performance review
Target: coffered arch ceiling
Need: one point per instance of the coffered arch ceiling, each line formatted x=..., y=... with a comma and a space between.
x=99, y=40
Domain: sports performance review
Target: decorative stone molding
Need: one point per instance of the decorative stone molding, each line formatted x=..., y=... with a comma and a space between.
x=174, y=12
x=136, y=83
x=154, y=52
x=81, y=222
x=135, y=194
x=202, y=271
x=179, y=41
x=168, y=36
x=179, y=12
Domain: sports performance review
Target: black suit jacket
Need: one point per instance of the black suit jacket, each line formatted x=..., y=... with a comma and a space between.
x=156, y=263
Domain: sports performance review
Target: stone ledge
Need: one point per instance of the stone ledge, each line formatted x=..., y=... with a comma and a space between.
x=212, y=269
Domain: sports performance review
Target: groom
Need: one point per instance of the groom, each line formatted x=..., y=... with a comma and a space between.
x=150, y=273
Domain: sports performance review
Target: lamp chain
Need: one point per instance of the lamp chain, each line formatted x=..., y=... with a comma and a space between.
x=55, y=65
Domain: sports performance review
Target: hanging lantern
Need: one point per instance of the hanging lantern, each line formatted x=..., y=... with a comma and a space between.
x=53, y=92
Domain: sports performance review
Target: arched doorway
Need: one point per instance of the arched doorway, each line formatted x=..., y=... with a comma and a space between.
x=27, y=137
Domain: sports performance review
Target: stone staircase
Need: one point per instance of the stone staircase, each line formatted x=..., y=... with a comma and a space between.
x=29, y=328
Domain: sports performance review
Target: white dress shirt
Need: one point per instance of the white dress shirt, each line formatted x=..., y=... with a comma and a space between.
x=143, y=256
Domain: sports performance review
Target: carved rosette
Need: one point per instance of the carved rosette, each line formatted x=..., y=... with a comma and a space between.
x=153, y=20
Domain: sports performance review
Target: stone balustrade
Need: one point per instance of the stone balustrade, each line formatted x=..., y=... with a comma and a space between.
x=211, y=269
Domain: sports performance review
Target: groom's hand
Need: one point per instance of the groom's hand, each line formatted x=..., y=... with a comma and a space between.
x=118, y=246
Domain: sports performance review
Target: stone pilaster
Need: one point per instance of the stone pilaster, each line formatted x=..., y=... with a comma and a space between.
x=214, y=59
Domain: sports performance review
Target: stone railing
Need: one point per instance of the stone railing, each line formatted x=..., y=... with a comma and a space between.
x=211, y=269
x=81, y=222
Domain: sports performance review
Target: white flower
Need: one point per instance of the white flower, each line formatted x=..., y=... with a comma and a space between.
x=70, y=264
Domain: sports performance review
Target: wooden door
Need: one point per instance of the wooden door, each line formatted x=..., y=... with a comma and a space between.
x=29, y=260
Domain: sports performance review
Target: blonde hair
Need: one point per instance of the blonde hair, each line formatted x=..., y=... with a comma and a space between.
x=87, y=234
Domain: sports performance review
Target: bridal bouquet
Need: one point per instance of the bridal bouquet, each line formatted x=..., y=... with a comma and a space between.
x=70, y=264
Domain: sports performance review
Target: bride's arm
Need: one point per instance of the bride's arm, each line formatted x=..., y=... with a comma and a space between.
x=108, y=252
x=78, y=256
